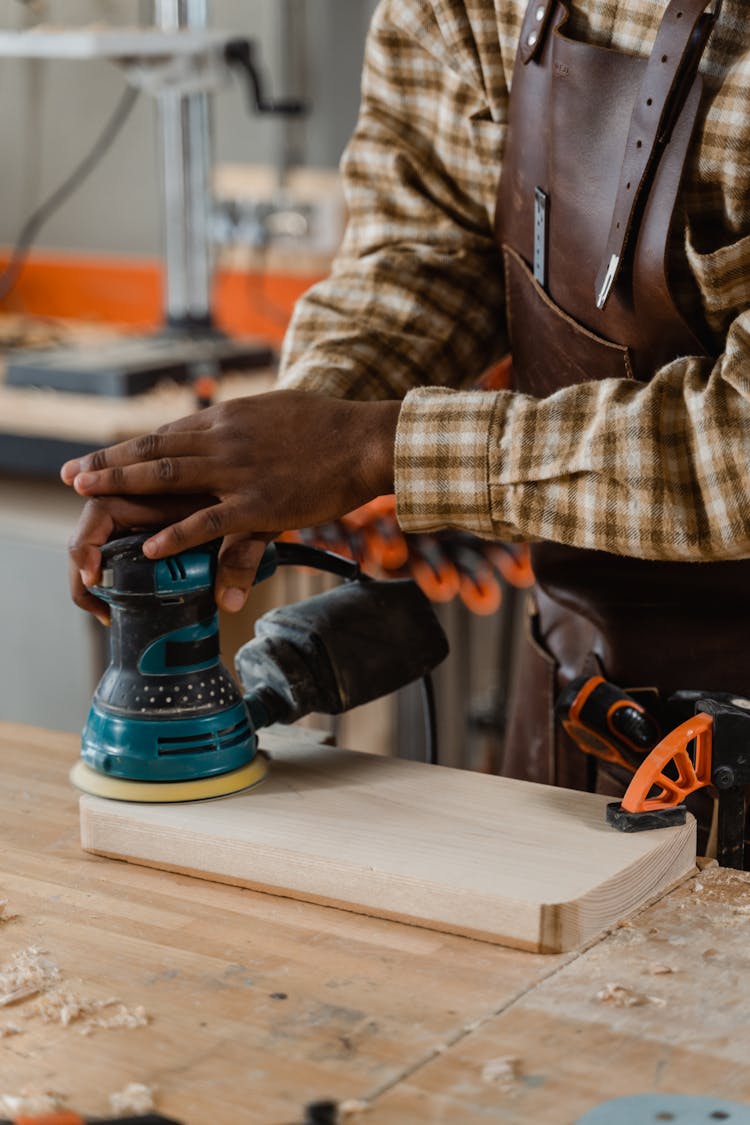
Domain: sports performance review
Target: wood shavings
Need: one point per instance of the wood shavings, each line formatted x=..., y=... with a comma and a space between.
x=503, y=1071
x=135, y=1098
x=5, y=913
x=17, y=996
x=27, y=973
x=66, y=1007
x=620, y=996
x=122, y=1017
x=8, y=1029
x=352, y=1106
x=31, y=975
x=659, y=970
x=30, y=1102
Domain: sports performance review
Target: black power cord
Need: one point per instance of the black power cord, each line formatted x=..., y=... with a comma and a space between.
x=301, y=554
x=38, y=218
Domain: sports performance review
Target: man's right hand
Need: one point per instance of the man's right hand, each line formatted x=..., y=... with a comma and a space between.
x=242, y=470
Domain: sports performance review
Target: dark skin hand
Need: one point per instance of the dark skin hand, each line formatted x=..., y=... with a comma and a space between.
x=243, y=471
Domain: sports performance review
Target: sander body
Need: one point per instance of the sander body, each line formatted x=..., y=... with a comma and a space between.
x=168, y=721
x=166, y=709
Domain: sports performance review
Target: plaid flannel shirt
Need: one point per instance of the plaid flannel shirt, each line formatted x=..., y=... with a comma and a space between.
x=413, y=307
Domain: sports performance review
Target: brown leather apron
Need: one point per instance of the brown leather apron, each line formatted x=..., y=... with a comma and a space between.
x=596, y=148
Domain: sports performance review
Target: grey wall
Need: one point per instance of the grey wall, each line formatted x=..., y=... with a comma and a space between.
x=50, y=112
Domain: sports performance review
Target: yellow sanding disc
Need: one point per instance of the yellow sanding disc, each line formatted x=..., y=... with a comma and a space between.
x=168, y=792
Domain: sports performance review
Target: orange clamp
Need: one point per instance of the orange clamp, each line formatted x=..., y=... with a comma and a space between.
x=692, y=773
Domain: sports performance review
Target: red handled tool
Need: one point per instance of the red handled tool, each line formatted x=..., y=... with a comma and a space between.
x=479, y=587
x=607, y=722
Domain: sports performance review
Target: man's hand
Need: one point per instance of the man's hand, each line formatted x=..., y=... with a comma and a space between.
x=102, y=519
x=243, y=470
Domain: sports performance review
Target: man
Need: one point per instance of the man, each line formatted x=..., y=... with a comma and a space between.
x=617, y=269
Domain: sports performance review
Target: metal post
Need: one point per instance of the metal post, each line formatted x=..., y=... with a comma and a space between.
x=185, y=135
x=291, y=40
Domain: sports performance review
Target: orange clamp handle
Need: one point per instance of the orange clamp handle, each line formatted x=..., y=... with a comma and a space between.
x=692, y=773
x=481, y=592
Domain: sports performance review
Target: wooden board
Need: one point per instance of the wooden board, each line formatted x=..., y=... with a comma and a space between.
x=505, y=861
x=258, y=1004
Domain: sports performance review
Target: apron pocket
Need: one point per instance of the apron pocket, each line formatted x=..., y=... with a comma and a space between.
x=550, y=349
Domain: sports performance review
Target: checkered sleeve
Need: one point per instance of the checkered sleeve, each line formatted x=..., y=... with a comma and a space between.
x=656, y=470
x=412, y=309
x=415, y=294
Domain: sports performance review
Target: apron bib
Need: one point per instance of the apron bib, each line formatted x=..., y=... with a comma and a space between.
x=596, y=149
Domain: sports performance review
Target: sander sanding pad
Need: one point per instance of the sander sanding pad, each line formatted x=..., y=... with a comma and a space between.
x=169, y=792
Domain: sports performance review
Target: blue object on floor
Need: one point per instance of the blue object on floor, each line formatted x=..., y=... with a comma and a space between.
x=655, y=1109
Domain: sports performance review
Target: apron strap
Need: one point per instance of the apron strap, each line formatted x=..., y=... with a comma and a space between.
x=534, y=29
x=669, y=75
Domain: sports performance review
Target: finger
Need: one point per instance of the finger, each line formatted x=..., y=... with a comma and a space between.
x=94, y=528
x=201, y=527
x=99, y=520
x=237, y=566
x=165, y=475
x=84, y=559
x=85, y=600
x=168, y=441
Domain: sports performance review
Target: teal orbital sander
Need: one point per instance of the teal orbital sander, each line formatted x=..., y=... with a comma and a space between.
x=168, y=721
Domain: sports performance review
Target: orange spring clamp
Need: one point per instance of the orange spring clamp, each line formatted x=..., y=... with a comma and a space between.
x=710, y=749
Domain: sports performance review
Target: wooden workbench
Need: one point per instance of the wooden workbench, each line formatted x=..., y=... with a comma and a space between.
x=257, y=1005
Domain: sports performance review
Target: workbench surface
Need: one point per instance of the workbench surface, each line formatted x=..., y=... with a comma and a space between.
x=257, y=1004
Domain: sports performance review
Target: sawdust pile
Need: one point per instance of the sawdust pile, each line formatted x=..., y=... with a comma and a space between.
x=620, y=996
x=28, y=973
x=721, y=885
x=6, y=915
x=31, y=976
x=135, y=1098
x=29, y=1102
x=66, y=1007
x=503, y=1072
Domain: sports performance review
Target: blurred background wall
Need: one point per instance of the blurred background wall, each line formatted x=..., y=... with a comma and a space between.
x=51, y=111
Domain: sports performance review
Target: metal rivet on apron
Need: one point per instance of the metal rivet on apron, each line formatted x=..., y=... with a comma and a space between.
x=532, y=39
x=539, y=15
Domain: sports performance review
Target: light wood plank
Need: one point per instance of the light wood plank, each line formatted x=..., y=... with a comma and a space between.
x=504, y=861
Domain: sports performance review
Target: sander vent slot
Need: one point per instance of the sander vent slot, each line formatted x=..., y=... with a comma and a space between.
x=184, y=746
x=197, y=743
x=176, y=568
x=233, y=736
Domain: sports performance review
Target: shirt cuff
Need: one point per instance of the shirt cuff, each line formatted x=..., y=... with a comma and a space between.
x=442, y=459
